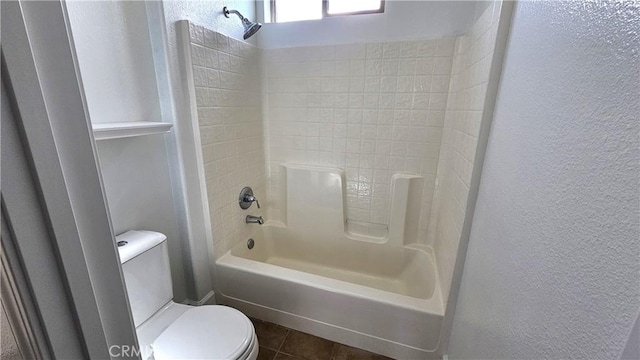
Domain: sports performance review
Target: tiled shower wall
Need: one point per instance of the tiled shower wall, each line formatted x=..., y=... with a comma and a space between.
x=372, y=109
x=467, y=94
x=227, y=79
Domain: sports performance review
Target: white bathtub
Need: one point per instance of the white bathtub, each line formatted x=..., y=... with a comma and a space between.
x=372, y=296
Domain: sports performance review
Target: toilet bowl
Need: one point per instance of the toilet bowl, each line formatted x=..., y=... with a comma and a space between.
x=167, y=330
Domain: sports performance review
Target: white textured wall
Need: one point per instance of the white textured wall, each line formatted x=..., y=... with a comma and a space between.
x=402, y=20
x=8, y=345
x=632, y=349
x=116, y=64
x=553, y=259
x=114, y=52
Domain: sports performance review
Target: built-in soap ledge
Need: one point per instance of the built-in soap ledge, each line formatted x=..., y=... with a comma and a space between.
x=404, y=215
x=117, y=130
x=364, y=231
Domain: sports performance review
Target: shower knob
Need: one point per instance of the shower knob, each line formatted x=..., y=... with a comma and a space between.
x=246, y=198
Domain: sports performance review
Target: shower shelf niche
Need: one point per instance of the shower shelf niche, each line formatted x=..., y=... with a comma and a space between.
x=118, y=130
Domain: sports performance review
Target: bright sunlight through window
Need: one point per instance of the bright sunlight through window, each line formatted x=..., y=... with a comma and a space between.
x=353, y=6
x=297, y=10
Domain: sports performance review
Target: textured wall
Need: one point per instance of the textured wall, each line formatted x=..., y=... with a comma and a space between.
x=8, y=346
x=463, y=117
x=373, y=109
x=632, y=349
x=114, y=51
x=227, y=79
x=552, y=265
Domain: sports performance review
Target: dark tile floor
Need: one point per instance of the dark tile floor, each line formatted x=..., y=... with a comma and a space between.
x=281, y=343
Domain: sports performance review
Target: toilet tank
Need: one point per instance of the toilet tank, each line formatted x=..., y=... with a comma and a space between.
x=145, y=266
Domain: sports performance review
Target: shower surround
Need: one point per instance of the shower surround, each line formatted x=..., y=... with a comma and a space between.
x=466, y=106
x=226, y=77
x=373, y=109
x=360, y=113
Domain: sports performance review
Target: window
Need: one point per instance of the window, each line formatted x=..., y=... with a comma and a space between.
x=349, y=7
x=297, y=10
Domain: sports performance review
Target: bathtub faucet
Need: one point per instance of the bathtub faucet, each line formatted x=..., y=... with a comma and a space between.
x=250, y=219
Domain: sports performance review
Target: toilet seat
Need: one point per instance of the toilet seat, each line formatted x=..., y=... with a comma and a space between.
x=206, y=332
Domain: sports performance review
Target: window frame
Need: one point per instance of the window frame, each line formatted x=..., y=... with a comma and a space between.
x=325, y=10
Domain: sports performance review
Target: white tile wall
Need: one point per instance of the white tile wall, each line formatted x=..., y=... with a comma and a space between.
x=467, y=90
x=227, y=78
x=373, y=109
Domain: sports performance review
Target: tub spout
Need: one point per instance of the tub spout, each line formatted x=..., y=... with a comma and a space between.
x=250, y=219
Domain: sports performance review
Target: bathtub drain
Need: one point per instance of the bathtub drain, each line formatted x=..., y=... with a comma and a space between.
x=250, y=243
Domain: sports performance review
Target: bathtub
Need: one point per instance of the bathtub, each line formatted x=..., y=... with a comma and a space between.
x=372, y=296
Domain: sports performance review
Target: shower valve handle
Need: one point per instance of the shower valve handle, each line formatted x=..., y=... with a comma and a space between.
x=251, y=198
x=246, y=198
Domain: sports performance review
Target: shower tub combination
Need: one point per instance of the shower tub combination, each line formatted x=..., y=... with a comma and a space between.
x=312, y=275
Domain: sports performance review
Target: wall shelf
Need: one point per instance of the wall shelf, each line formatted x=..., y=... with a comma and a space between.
x=117, y=130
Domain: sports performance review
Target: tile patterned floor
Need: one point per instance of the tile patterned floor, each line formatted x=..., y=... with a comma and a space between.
x=281, y=343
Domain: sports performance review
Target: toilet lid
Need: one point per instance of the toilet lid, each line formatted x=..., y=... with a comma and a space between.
x=205, y=332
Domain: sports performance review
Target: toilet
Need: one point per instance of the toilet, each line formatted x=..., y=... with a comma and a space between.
x=167, y=330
